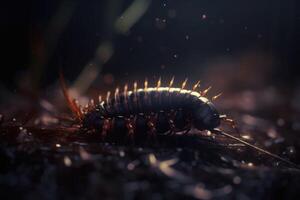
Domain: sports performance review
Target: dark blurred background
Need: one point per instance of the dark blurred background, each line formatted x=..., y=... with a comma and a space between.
x=248, y=50
x=254, y=43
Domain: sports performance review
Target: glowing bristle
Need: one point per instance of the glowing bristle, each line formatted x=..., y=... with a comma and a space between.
x=204, y=93
x=215, y=97
x=100, y=98
x=196, y=86
x=125, y=90
x=125, y=93
x=184, y=83
x=135, y=86
x=146, y=84
x=172, y=81
x=116, y=93
x=158, y=83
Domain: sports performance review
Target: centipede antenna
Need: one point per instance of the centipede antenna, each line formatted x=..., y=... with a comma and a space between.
x=217, y=96
x=184, y=84
x=196, y=85
x=204, y=93
x=146, y=84
x=171, y=82
x=158, y=83
x=71, y=103
x=218, y=131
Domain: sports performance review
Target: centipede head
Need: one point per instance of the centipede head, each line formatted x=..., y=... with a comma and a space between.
x=70, y=102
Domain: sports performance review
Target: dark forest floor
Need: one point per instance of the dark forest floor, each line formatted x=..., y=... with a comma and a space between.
x=41, y=158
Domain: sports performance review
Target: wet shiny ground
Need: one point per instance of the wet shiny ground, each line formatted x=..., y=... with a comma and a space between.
x=45, y=158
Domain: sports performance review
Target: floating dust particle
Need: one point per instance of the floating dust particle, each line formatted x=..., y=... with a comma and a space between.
x=58, y=145
x=291, y=150
x=160, y=23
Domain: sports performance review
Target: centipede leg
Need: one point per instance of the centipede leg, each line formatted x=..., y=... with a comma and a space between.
x=171, y=117
x=152, y=128
x=130, y=128
x=105, y=128
x=188, y=126
x=172, y=127
x=231, y=123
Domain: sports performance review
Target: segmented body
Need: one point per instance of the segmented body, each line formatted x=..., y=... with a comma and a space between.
x=152, y=111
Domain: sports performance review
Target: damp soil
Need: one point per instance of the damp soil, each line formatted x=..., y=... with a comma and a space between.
x=43, y=157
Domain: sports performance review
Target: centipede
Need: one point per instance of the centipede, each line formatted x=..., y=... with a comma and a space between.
x=146, y=112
